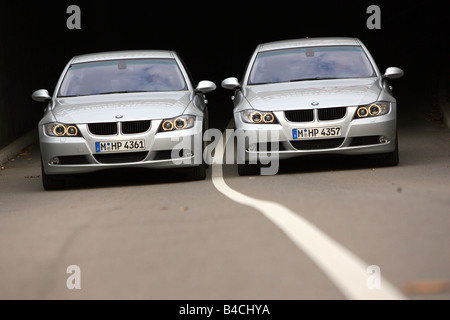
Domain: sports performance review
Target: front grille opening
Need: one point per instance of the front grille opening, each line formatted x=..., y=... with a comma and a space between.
x=269, y=146
x=167, y=154
x=124, y=157
x=365, y=141
x=68, y=160
x=332, y=113
x=299, y=115
x=132, y=127
x=103, y=129
x=317, y=144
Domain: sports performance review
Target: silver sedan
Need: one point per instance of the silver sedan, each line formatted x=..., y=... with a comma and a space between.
x=123, y=109
x=314, y=96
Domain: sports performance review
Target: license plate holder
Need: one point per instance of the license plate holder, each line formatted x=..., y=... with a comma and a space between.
x=119, y=146
x=314, y=133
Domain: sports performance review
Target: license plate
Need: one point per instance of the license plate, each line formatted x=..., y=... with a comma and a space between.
x=115, y=146
x=316, y=133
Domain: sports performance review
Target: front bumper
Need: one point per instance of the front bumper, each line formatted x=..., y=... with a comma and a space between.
x=73, y=155
x=365, y=136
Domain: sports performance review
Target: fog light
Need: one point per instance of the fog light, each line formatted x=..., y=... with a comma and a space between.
x=54, y=161
x=383, y=139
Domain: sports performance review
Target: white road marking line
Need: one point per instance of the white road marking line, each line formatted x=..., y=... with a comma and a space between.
x=344, y=269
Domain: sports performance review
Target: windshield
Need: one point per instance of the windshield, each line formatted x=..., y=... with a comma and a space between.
x=122, y=76
x=311, y=63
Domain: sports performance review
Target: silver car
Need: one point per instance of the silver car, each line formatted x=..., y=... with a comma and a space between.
x=314, y=96
x=123, y=109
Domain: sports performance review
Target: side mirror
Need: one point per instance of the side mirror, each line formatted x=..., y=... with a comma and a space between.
x=231, y=83
x=41, y=96
x=392, y=73
x=206, y=86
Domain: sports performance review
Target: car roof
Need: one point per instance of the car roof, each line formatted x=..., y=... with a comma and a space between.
x=307, y=42
x=130, y=54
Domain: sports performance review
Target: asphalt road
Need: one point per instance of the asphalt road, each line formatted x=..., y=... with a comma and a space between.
x=154, y=235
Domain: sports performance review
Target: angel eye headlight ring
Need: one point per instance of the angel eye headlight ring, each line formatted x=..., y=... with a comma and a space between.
x=362, y=112
x=256, y=117
x=180, y=123
x=59, y=130
x=268, y=118
x=72, y=131
x=374, y=109
x=167, y=125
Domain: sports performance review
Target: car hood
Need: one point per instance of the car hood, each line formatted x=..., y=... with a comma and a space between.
x=327, y=93
x=129, y=106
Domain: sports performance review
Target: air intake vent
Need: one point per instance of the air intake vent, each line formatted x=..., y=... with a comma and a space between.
x=317, y=144
x=125, y=157
x=365, y=141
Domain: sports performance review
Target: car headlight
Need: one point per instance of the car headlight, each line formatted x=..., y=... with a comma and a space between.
x=62, y=130
x=178, y=123
x=258, y=117
x=372, y=110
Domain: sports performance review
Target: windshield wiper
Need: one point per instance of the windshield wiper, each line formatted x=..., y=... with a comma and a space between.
x=74, y=95
x=258, y=83
x=124, y=91
x=315, y=78
x=94, y=94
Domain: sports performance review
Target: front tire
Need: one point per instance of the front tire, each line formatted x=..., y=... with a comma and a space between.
x=198, y=173
x=51, y=182
x=248, y=169
x=390, y=159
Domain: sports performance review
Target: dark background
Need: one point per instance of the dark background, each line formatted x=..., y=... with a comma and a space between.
x=214, y=38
